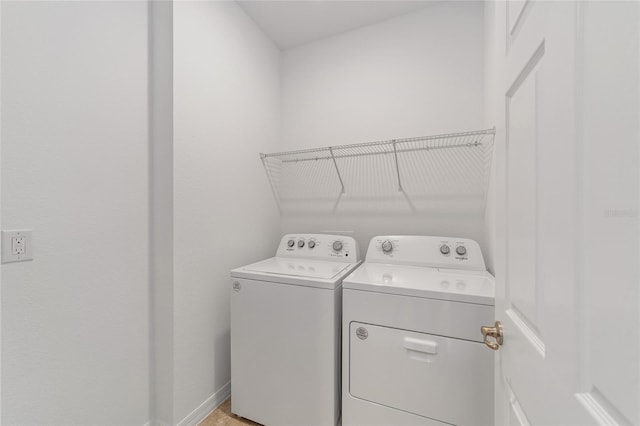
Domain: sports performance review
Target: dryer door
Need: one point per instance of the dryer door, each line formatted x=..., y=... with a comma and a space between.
x=445, y=379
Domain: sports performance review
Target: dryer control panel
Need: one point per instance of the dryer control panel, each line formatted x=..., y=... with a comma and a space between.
x=320, y=247
x=434, y=252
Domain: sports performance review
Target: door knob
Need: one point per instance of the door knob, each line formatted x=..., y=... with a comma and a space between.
x=495, y=332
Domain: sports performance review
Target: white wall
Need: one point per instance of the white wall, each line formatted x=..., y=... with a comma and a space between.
x=161, y=213
x=1, y=121
x=226, y=111
x=75, y=346
x=413, y=75
x=495, y=87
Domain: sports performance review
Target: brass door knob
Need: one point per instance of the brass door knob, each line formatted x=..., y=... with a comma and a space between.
x=493, y=332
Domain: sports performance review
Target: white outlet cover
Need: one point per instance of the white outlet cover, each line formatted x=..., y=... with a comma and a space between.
x=7, y=253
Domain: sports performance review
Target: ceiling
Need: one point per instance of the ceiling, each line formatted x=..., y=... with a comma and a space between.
x=293, y=23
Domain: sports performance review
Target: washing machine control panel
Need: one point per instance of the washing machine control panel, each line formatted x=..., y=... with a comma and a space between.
x=435, y=252
x=319, y=246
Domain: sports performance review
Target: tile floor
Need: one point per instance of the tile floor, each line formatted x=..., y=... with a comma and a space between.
x=222, y=416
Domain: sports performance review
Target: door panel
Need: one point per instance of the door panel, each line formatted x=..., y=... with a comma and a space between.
x=515, y=9
x=516, y=15
x=516, y=413
x=523, y=291
x=609, y=212
x=568, y=279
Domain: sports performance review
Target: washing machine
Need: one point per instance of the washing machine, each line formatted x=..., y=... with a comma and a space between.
x=413, y=353
x=285, y=331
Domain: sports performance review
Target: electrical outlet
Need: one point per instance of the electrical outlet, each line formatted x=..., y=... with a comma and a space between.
x=16, y=245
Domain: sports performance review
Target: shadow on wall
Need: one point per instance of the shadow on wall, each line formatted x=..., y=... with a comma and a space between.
x=401, y=204
x=222, y=349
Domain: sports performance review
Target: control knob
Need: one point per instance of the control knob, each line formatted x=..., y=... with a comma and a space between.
x=444, y=249
x=387, y=247
x=337, y=245
x=291, y=243
x=461, y=250
x=301, y=243
x=312, y=244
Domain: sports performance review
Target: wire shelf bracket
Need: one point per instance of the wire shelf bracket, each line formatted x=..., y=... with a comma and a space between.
x=333, y=157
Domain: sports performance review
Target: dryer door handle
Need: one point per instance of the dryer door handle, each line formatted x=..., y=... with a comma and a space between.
x=419, y=345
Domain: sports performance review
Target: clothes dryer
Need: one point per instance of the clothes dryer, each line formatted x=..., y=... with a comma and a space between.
x=413, y=353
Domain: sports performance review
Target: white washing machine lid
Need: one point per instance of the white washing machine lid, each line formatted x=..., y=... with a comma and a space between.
x=307, y=272
x=445, y=284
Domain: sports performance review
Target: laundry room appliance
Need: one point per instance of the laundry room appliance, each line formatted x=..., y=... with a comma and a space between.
x=285, y=331
x=413, y=353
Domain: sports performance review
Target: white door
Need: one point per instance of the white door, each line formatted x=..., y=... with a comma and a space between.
x=567, y=265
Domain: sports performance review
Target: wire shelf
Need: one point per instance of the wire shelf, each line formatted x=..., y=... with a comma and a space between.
x=443, y=172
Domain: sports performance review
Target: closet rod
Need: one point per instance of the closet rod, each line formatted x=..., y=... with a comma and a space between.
x=491, y=131
x=364, y=154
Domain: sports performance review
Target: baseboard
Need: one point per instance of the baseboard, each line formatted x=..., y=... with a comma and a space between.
x=204, y=409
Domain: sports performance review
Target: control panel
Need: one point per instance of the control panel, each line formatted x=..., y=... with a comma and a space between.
x=435, y=252
x=319, y=246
